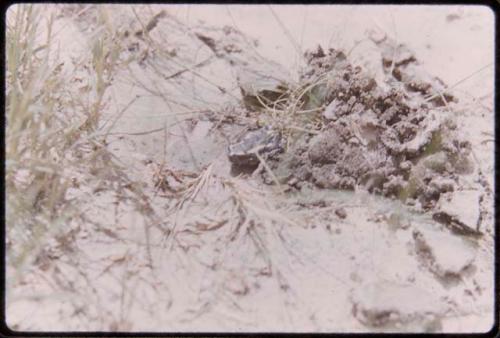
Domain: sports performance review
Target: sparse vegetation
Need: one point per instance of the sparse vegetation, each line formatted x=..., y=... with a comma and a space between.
x=54, y=142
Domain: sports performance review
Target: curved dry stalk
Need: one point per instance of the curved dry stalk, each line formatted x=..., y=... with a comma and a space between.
x=320, y=80
x=269, y=171
x=432, y=97
x=254, y=200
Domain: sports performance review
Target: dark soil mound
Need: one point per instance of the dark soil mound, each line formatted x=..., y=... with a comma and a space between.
x=395, y=139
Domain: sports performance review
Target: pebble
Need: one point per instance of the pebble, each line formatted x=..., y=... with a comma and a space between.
x=341, y=213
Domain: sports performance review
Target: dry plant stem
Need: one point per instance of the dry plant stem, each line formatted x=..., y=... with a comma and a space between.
x=190, y=69
x=276, y=115
x=119, y=115
x=74, y=16
x=322, y=79
x=395, y=43
x=456, y=84
x=357, y=44
x=265, y=105
x=27, y=149
x=186, y=139
x=286, y=31
x=309, y=131
x=269, y=171
x=251, y=45
x=188, y=196
x=154, y=92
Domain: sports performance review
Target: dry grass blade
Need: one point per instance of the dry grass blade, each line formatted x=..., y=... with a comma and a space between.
x=270, y=172
x=46, y=144
x=256, y=202
x=286, y=31
x=456, y=84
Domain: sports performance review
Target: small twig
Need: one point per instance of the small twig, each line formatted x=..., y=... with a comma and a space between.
x=151, y=24
x=180, y=72
x=310, y=131
x=119, y=115
x=140, y=132
x=395, y=44
x=286, y=31
x=460, y=81
x=269, y=171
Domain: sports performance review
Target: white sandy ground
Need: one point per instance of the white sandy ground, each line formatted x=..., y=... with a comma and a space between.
x=301, y=270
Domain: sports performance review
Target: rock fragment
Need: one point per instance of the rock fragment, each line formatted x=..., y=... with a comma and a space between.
x=460, y=211
x=397, y=307
x=448, y=257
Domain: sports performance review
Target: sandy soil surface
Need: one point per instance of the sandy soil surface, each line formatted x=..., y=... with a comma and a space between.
x=310, y=241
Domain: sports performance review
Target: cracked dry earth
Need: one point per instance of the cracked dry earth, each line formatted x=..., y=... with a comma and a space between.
x=362, y=201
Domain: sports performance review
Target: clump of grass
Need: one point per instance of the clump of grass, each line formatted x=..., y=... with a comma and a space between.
x=49, y=124
x=292, y=113
x=34, y=185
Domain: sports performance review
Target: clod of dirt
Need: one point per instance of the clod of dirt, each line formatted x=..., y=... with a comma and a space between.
x=395, y=140
x=401, y=63
x=339, y=162
x=392, y=142
x=341, y=213
x=325, y=148
x=460, y=212
x=300, y=173
x=395, y=307
x=447, y=257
